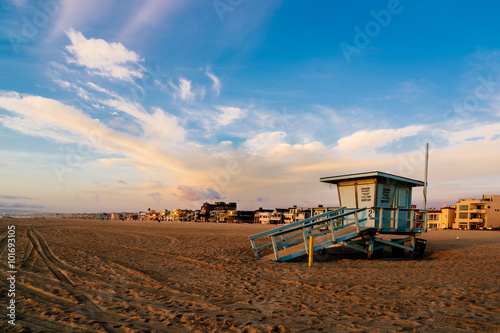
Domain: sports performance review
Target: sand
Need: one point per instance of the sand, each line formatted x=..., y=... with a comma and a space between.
x=113, y=276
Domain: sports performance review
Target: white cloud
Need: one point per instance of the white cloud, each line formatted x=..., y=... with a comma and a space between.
x=183, y=91
x=216, y=85
x=43, y=117
x=112, y=60
x=62, y=83
x=165, y=127
x=481, y=131
x=272, y=144
x=229, y=114
x=160, y=127
x=370, y=140
x=100, y=89
x=331, y=114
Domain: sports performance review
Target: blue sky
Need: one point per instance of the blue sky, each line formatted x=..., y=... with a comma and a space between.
x=123, y=106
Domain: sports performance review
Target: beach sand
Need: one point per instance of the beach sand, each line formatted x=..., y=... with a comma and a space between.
x=114, y=276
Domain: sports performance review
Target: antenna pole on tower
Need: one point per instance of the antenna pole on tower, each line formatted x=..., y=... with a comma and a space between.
x=425, y=176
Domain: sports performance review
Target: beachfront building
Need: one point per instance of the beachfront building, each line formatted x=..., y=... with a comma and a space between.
x=197, y=216
x=448, y=216
x=263, y=216
x=278, y=216
x=478, y=213
x=131, y=216
x=240, y=216
x=297, y=214
x=442, y=218
x=321, y=210
x=163, y=214
x=210, y=212
x=181, y=215
x=318, y=210
x=220, y=216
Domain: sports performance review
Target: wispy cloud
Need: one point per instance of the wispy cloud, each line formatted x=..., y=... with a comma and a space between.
x=261, y=199
x=274, y=147
x=228, y=114
x=148, y=13
x=112, y=60
x=13, y=197
x=67, y=124
x=183, y=90
x=407, y=92
x=155, y=196
x=189, y=193
x=485, y=132
x=216, y=84
x=157, y=125
x=43, y=117
x=370, y=140
x=76, y=14
x=13, y=204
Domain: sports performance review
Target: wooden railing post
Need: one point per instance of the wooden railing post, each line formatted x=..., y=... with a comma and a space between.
x=412, y=220
x=380, y=219
x=396, y=220
x=332, y=227
x=311, y=250
x=356, y=221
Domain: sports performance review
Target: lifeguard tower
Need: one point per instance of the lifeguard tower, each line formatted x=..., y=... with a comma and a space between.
x=373, y=204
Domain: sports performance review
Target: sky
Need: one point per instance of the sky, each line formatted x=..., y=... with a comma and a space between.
x=110, y=105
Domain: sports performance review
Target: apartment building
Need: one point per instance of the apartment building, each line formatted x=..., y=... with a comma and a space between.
x=263, y=216
x=442, y=218
x=296, y=214
x=475, y=214
x=278, y=216
x=210, y=212
x=240, y=216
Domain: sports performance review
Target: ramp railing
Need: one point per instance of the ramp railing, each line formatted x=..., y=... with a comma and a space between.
x=342, y=225
x=253, y=238
x=333, y=225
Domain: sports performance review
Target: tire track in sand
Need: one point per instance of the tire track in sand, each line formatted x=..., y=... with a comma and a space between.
x=3, y=242
x=94, y=312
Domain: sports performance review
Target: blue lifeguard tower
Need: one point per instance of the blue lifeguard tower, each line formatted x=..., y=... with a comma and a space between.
x=373, y=204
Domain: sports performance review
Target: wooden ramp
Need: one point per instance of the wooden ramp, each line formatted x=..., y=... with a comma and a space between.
x=320, y=242
x=356, y=229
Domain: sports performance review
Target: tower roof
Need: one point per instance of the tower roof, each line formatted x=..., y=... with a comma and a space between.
x=381, y=176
